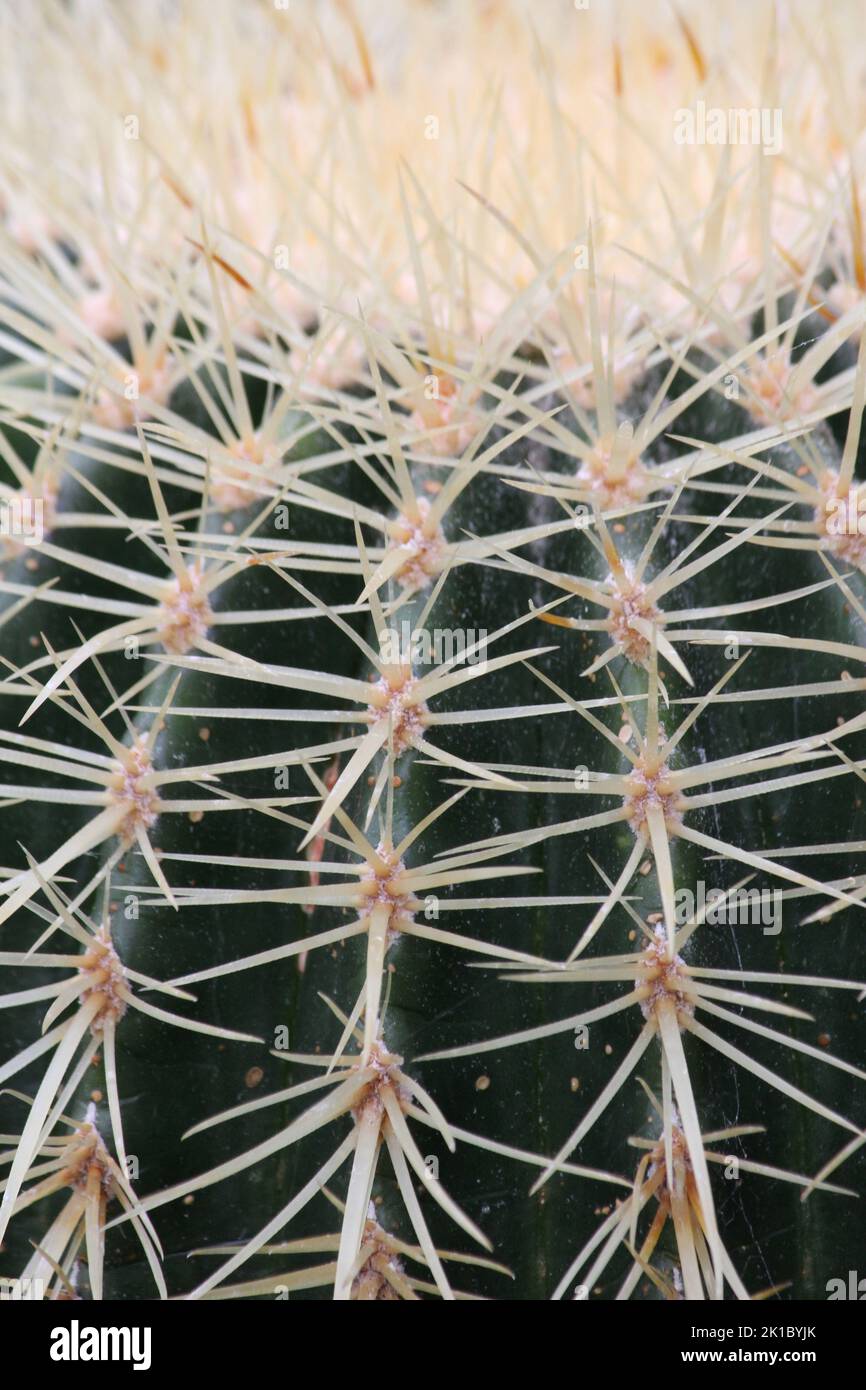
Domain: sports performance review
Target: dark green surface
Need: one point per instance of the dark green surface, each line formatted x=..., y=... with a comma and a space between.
x=171, y=1080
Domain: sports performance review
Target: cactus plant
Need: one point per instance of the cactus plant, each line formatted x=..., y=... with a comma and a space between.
x=432, y=628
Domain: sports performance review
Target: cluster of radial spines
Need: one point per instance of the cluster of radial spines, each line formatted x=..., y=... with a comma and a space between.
x=132, y=791
x=385, y=1067
x=185, y=613
x=649, y=786
x=375, y=1278
x=104, y=980
x=422, y=539
x=87, y=1161
x=382, y=882
x=239, y=479
x=446, y=414
x=773, y=397
x=395, y=701
x=613, y=474
x=631, y=611
x=662, y=978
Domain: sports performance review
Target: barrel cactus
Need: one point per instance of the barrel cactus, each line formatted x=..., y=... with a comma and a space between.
x=433, y=633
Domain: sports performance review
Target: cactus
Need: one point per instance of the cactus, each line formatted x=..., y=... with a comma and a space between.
x=432, y=617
